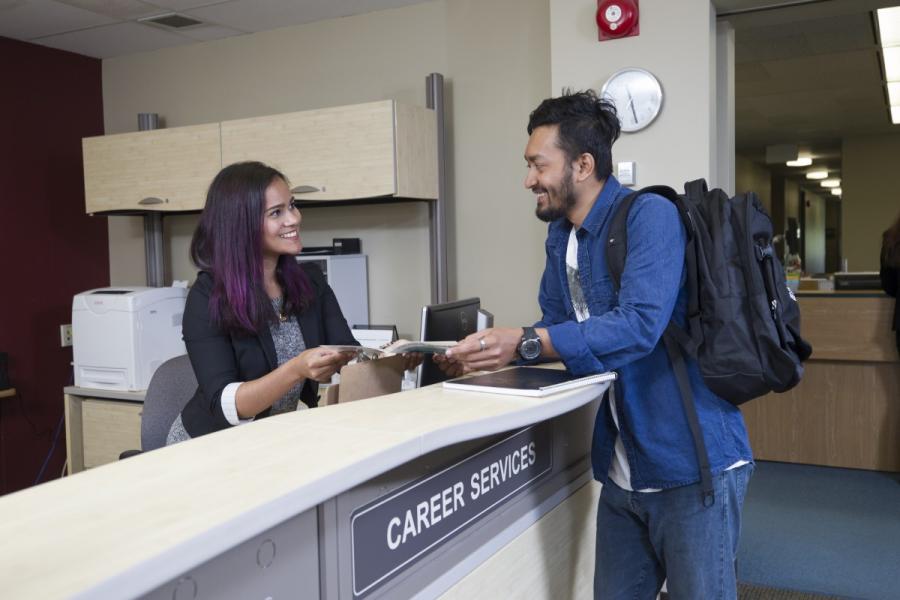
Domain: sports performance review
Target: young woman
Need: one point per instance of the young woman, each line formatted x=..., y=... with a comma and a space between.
x=255, y=318
x=890, y=269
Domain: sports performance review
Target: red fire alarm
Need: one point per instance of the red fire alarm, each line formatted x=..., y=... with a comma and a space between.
x=617, y=19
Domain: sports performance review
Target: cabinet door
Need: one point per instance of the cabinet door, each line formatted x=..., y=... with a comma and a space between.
x=162, y=169
x=109, y=428
x=328, y=154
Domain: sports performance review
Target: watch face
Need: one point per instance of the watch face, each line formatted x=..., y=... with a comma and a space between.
x=530, y=349
x=637, y=96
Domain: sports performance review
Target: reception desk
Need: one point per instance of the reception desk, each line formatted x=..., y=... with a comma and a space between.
x=427, y=493
x=846, y=410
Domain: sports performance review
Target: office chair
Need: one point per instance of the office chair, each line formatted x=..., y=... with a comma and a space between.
x=171, y=387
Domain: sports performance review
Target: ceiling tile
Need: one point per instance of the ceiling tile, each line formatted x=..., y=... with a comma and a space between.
x=209, y=32
x=261, y=15
x=116, y=9
x=115, y=40
x=179, y=5
x=37, y=18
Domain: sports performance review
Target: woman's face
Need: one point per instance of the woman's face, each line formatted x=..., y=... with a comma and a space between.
x=281, y=222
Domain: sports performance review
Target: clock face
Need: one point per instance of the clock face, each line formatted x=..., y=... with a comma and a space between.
x=637, y=96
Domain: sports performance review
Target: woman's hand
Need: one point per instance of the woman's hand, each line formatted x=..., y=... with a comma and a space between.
x=320, y=364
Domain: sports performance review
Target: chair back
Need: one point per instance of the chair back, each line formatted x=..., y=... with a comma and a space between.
x=171, y=387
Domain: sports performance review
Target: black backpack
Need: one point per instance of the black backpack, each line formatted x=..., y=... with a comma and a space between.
x=743, y=322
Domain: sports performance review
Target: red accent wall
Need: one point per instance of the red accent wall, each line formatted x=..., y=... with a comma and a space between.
x=49, y=248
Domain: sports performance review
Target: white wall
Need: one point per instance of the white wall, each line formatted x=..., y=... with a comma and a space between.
x=494, y=56
x=677, y=43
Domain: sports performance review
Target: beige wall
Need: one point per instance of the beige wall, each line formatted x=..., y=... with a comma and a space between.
x=753, y=177
x=871, y=200
x=814, y=229
x=494, y=56
x=677, y=43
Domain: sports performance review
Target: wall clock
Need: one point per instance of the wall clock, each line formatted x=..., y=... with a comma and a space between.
x=637, y=95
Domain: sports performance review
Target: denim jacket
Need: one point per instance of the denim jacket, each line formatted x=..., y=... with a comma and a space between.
x=623, y=334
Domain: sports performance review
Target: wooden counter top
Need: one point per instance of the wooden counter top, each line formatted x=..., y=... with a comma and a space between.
x=122, y=529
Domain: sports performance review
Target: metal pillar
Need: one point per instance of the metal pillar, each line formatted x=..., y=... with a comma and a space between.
x=154, y=256
x=434, y=85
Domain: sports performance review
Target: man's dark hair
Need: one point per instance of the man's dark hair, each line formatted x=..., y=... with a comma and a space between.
x=587, y=124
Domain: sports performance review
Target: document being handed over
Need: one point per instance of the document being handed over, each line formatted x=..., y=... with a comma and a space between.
x=398, y=347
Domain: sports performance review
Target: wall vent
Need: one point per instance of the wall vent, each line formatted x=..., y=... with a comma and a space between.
x=172, y=21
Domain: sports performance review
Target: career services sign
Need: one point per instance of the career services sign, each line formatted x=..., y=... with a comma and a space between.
x=393, y=531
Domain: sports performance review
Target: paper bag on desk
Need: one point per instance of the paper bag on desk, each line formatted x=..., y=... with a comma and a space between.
x=367, y=379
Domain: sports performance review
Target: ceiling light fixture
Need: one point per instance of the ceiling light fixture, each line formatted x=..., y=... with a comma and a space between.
x=889, y=26
x=830, y=183
x=895, y=115
x=893, y=89
x=803, y=161
x=817, y=175
x=891, y=56
x=836, y=191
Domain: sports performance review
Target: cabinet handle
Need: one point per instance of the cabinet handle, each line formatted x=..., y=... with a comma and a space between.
x=151, y=200
x=306, y=189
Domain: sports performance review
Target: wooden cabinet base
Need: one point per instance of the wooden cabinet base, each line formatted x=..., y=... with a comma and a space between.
x=843, y=414
x=98, y=430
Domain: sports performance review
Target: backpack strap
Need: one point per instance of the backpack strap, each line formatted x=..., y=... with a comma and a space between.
x=617, y=237
x=675, y=338
x=707, y=494
x=697, y=187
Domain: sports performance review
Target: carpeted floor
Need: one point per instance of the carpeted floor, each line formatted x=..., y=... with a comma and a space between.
x=758, y=592
x=828, y=531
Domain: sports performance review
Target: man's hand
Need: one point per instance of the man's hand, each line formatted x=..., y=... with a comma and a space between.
x=487, y=350
x=450, y=367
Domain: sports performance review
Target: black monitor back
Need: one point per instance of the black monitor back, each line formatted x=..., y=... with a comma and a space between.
x=446, y=322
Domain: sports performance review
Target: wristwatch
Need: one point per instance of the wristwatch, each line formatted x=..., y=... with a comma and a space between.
x=530, y=346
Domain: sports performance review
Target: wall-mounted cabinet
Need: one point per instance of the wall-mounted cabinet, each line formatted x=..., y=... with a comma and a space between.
x=378, y=149
x=345, y=153
x=163, y=169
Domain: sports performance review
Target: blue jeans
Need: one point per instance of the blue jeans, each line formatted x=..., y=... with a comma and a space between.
x=644, y=539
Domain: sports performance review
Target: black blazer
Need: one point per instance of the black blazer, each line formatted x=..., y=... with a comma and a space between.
x=219, y=358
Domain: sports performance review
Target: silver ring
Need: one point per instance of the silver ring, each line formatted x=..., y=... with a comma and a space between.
x=483, y=345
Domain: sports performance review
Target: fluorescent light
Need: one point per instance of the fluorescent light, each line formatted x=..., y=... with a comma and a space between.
x=889, y=25
x=894, y=93
x=895, y=115
x=817, y=175
x=803, y=161
x=836, y=191
x=891, y=63
x=830, y=183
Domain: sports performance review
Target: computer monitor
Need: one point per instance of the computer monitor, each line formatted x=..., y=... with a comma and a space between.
x=446, y=322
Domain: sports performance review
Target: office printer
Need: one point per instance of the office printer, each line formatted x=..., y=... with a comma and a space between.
x=120, y=335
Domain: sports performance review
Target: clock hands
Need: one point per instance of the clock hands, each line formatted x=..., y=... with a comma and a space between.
x=631, y=105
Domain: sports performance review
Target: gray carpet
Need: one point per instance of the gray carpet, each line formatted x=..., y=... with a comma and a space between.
x=758, y=592
x=822, y=530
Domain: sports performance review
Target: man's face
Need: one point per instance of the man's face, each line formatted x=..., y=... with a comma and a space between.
x=549, y=174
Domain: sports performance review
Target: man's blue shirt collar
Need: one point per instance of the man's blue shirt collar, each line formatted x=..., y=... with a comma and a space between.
x=599, y=212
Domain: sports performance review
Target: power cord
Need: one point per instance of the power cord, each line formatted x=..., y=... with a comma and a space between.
x=59, y=425
x=32, y=424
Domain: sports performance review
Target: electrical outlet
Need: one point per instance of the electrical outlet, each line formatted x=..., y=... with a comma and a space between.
x=65, y=335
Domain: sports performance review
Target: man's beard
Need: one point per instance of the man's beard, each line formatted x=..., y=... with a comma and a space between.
x=551, y=211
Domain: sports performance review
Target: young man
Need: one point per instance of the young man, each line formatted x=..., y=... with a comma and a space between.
x=651, y=522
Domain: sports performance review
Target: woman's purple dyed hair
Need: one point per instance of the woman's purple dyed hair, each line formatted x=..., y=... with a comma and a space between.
x=228, y=244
